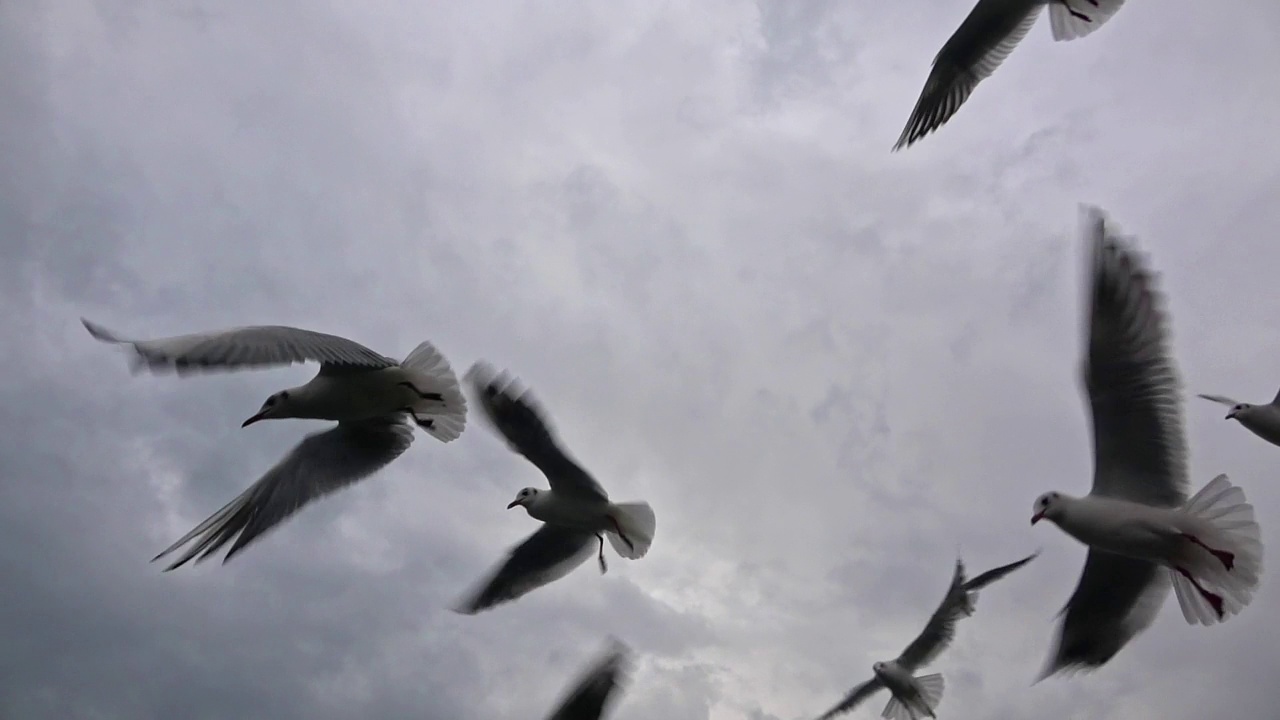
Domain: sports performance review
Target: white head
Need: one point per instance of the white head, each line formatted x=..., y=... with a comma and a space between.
x=278, y=405
x=1048, y=505
x=1238, y=409
x=524, y=497
x=879, y=668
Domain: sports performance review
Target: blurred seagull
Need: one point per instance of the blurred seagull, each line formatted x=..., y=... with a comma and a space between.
x=592, y=693
x=1261, y=420
x=914, y=697
x=575, y=511
x=985, y=38
x=369, y=395
x=1141, y=530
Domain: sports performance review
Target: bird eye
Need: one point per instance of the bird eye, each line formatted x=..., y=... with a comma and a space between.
x=270, y=401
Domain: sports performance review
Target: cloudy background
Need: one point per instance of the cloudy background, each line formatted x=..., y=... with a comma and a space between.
x=828, y=367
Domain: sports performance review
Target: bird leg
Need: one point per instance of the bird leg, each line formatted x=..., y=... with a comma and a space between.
x=618, y=529
x=424, y=423
x=1214, y=599
x=603, y=568
x=1076, y=13
x=425, y=396
x=1228, y=558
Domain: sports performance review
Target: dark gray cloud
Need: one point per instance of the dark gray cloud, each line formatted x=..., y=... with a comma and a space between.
x=829, y=368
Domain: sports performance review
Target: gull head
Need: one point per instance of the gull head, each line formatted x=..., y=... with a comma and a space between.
x=276, y=406
x=524, y=497
x=1238, y=409
x=1048, y=505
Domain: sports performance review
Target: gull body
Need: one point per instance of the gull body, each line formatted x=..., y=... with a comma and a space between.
x=1261, y=420
x=369, y=395
x=915, y=695
x=1143, y=533
x=574, y=511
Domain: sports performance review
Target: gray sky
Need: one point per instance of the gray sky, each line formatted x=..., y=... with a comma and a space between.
x=829, y=368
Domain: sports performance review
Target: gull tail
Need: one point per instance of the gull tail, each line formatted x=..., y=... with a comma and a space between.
x=1223, y=556
x=1074, y=19
x=633, y=522
x=930, y=687
x=442, y=412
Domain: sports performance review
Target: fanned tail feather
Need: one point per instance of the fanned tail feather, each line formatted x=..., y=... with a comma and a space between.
x=1230, y=527
x=931, y=687
x=637, y=522
x=430, y=373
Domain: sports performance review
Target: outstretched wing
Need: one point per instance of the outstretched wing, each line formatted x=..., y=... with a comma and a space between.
x=1140, y=452
x=244, y=347
x=322, y=463
x=1117, y=597
x=546, y=556
x=854, y=698
x=995, y=574
x=941, y=628
x=514, y=412
x=986, y=37
x=592, y=693
x=1223, y=399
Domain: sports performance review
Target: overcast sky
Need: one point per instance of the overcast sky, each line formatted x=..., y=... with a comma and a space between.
x=829, y=368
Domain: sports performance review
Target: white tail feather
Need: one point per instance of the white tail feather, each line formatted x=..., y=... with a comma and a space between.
x=1224, y=521
x=430, y=373
x=931, y=687
x=1069, y=27
x=895, y=710
x=638, y=523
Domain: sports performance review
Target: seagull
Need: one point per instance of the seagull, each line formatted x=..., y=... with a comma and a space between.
x=916, y=697
x=574, y=511
x=1262, y=420
x=973, y=586
x=371, y=397
x=1141, y=530
x=985, y=38
x=591, y=694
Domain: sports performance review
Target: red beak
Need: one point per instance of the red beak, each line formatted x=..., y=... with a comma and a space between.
x=251, y=420
x=1037, y=517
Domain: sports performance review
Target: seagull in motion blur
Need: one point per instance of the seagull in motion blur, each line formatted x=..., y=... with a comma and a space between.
x=596, y=688
x=1142, y=531
x=574, y=511
x=1261, y=420
x=985, y=38
x=372, y=398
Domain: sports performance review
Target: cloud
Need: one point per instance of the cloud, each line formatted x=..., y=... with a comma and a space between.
x=828, y=367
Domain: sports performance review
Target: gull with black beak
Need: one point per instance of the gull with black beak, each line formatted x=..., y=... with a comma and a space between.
x=1142, y=531
x=986, y=37
x=1261, y=420
x=371, y=397
x=915, y=697
x=575, y=511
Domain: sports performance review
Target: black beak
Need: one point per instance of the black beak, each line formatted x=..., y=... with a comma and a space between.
x=1230, y=415
x=251, y=420
x=512, y=504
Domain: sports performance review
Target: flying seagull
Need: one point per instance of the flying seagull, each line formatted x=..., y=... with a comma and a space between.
x=1262, y=420
x=574, y=512
x=371, y=397
x=973, y=586
x=915, y=697
x=593, y=691
x=985, y=38
x=1141, y=530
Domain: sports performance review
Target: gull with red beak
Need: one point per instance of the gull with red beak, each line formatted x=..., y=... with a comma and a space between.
x=1142, y=532
x=1261, y=420
x=574, y=511
x=369, y=395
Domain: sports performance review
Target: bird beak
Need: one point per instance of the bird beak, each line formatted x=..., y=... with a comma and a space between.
x=1231, y=414
x=1037, y=517
x=512, y=504
x=251, y=420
